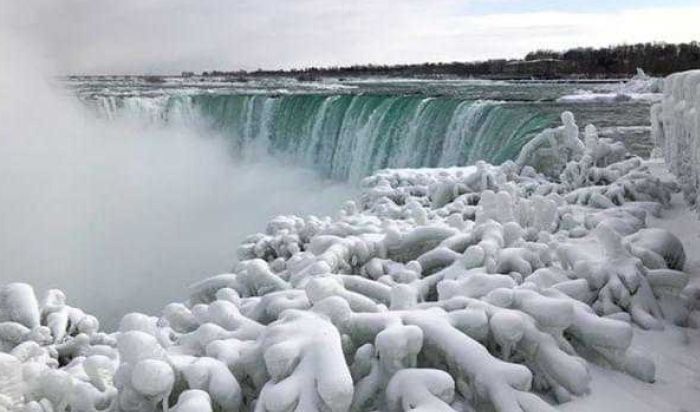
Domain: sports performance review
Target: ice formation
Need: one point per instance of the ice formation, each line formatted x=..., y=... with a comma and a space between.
x=452, y=289
x=676, y=128
x=641, y=87
x=641, y=83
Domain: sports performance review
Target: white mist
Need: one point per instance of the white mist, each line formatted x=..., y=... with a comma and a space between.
x=123, y=218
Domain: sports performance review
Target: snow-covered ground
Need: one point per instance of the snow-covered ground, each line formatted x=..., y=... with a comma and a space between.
x=675, y=350
x=682, y=221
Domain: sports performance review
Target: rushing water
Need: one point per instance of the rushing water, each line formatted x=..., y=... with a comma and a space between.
x=348, y=136
x=347, y=130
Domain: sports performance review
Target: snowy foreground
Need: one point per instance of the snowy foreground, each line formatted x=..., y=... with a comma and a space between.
x=477, y=288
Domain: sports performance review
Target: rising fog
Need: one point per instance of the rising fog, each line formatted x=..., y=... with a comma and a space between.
x=122, y=217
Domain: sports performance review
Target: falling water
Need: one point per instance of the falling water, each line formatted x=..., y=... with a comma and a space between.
x=347, y=137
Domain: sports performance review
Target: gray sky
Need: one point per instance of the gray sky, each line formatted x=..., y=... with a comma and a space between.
x=168, y=36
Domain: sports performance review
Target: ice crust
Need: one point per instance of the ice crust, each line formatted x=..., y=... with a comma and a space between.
x=474, y=288
x=676, y=128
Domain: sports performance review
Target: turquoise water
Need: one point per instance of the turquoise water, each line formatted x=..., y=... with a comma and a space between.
x=345, y=131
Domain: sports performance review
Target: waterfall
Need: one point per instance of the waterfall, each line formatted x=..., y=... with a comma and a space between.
x=349, y=136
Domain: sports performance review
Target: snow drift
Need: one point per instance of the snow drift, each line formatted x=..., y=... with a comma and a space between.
x=437, y=290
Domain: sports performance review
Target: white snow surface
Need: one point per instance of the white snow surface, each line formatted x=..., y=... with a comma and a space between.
x=546, y=283
x=675, y=350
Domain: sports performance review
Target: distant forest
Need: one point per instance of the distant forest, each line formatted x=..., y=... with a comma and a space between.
x=657, y=59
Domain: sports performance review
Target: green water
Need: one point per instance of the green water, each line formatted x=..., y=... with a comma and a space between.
x=348, y=136
x=346, y=131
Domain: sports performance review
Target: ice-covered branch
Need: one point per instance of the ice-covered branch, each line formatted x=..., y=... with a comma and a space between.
x=481, y=287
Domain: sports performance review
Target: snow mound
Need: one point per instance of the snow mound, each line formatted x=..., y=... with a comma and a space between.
x=676, y=129
x=637, y=139
x=484, y=287
x=641, y=88
x=588, y=96
x=641, y=83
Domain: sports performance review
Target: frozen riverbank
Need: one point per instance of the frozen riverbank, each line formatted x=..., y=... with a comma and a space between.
x=440, y=289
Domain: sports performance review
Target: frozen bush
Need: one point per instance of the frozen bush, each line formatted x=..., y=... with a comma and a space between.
x=466, y=288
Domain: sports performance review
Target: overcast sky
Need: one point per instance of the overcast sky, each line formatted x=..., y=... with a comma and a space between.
x=168, y=36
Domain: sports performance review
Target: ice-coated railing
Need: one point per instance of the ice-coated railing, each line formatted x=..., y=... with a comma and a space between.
x=676, y=128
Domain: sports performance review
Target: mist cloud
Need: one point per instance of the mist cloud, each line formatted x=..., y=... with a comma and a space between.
x=120, y=216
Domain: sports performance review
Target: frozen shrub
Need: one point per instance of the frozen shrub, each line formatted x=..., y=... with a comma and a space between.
x=473, y=288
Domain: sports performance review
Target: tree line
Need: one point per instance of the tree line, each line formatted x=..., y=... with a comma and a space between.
x=657, y=59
